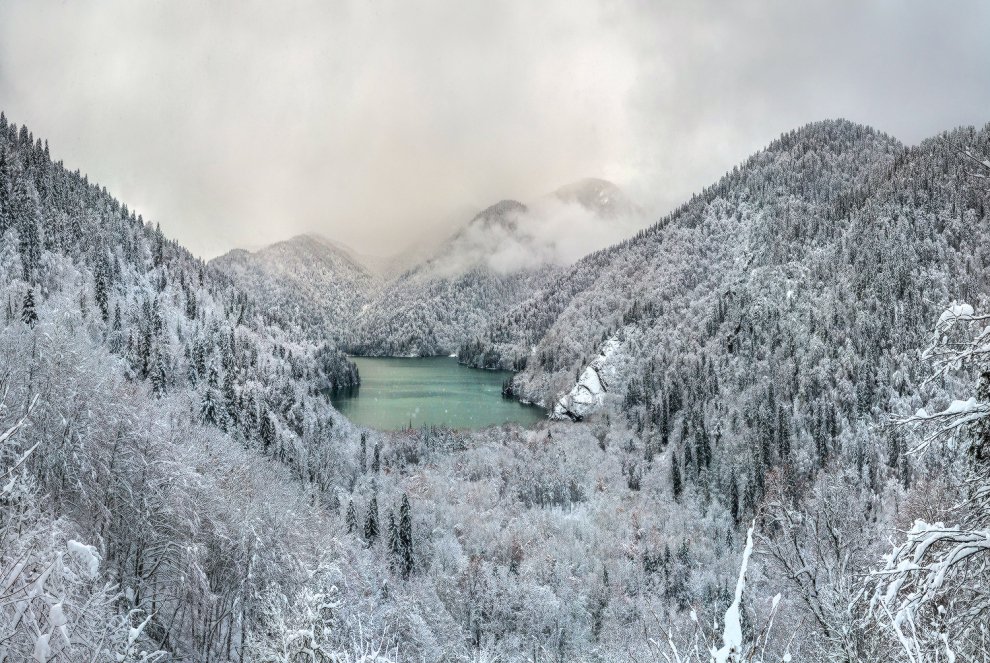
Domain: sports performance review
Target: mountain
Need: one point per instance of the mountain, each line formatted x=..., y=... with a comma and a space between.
x=430, y=308
x=786, y=302
x=430, y=303
x=178, y=486
x=156, y=424
x=501, y=256
x=312, y=282
x=764, y=341
x=600, y=196
x=806, y=178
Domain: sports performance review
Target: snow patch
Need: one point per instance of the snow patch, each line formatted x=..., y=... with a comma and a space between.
x=956, y=311
x=962, y=407
x=42, y=650
x=85, y=555
x=58, y=620
x=732, y=638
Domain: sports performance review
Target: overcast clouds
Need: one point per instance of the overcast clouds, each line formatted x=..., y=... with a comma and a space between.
x=378, y=123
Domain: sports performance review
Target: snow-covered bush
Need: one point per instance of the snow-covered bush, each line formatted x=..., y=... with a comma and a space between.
x=932, y=590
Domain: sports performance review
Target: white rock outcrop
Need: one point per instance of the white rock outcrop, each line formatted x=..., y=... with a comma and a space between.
x=588, y=394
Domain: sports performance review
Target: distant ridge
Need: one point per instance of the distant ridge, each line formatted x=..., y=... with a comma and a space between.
x=319, y=284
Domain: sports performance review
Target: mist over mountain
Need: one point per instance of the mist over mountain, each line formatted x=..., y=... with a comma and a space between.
x=556, y=229
x=501, y=256
x=431, y=304
x=600, y=196
x=724, y=386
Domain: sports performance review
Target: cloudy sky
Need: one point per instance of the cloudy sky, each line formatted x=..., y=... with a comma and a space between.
x=382, y=123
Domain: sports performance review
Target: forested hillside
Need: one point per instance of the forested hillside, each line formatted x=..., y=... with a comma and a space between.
x=472, y=277
x=373, y=306
x=310, y=281
x=503, y=255
x=763, y=267
x=175, y=485
x=761, y=337
x=149, y=392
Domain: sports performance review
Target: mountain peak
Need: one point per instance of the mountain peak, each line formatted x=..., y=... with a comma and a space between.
x=503, y=212
x=595, y=194
x=836, y=132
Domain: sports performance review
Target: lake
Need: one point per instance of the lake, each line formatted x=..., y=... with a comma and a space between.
x=434, y=391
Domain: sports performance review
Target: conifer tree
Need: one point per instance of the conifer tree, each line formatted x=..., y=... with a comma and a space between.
x=371, y=528
x=664, y=422
x=675, y=478
x=27, y=217
x=116, y=331
x=351, y=517
x=100, y=292
x=267, y=431
x=28, y=313
x=158, y=245
x=144, y=352
x=230, y=397
x=734, y=498
x=212, y=409
x=703, y=452
x=406, y=562
x=393, y=537
x=376, y=459
x=159, y=376
x=6, y=211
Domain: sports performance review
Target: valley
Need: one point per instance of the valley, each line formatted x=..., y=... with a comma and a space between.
x=336, y=331
x=385, y=307
x=186, y=476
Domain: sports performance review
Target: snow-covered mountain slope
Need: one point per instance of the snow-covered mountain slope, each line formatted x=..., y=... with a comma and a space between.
x=149, y=402
x=173, y=321
x=503, y=255
x=176, y=483
x=746, y=290
x=431, y=308
x=432, y=301
x=308, y=280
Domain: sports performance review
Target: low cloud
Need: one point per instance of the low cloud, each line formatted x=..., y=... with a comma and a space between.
x=549, y=232
x=378, y=123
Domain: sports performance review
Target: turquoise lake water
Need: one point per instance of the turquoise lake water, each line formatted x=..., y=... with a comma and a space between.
x=432, y=391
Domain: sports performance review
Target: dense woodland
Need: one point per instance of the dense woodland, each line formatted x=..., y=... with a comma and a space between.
x=427, y=302
x=455, y=293
x=315, y=285
x=175, y=484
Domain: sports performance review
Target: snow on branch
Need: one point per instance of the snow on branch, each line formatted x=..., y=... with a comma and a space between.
x=6, y=479
x=949, y=354
x=931, y=591
x=921, y=573
x=980, y=163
